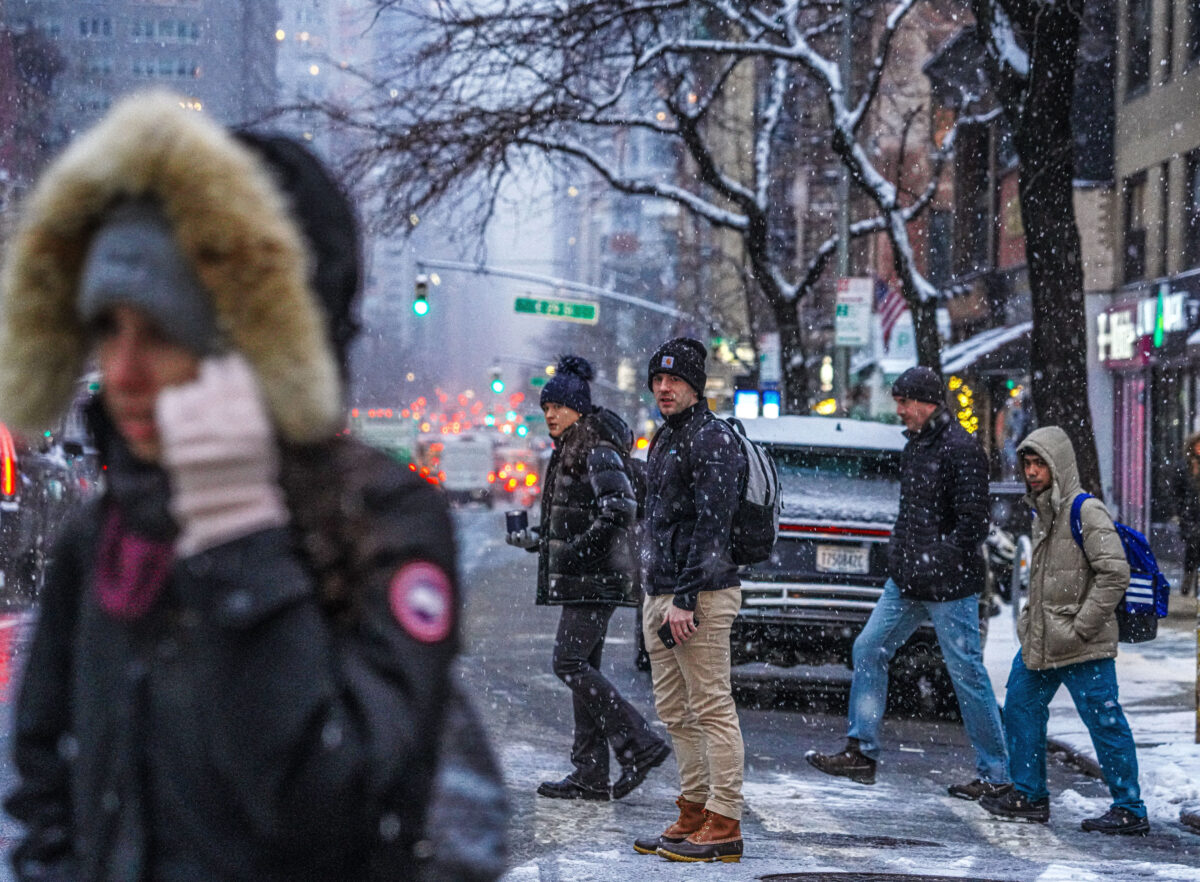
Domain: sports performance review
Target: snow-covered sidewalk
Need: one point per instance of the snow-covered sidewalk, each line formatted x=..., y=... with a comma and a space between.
x=1157, y=683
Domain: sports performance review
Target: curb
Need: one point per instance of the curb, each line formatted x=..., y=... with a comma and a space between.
x=1080, y=762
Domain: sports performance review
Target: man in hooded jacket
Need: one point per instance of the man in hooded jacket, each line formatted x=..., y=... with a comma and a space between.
x=1068, y=635
x=241, y=664
x=586, y=565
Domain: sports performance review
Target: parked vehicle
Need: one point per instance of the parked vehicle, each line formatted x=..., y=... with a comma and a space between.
x=37, y=488
x=840, y=482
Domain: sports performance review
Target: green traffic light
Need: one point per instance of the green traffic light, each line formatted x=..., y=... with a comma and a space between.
x=497, y=385
x=421, y=306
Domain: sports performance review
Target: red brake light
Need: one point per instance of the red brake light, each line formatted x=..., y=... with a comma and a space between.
x=827, y=530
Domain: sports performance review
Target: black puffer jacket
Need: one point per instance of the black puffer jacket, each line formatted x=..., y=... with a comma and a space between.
x=935, y=551
x=586, y=554
x=131, y=736
x=693, y=485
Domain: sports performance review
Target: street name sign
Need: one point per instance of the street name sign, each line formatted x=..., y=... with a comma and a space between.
x=852, y=312
x=563, y=310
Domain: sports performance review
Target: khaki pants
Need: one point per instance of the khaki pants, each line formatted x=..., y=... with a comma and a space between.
x=693, y=698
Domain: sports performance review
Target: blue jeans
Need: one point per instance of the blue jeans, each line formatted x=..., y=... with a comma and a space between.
x=1093, y=688
x=956, y=622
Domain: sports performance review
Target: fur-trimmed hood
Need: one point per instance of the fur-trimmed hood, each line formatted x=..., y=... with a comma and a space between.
x=231, y=221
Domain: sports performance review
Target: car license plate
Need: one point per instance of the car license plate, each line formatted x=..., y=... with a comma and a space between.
x=843, y=559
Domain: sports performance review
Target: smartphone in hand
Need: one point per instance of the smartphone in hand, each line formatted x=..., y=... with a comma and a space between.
x=665, y=635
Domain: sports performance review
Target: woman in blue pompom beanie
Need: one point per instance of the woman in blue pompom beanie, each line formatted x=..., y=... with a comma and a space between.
x=586, y=564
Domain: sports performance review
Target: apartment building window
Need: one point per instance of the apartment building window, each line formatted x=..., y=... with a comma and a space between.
x=50, y=27
x=1191, y=210
x=95, y=27
x=1135, y=227
x=1137, y=59
x=100, y=65
x=165, y=68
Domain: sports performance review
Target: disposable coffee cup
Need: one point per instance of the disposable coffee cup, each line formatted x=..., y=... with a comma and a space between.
x=517, y=520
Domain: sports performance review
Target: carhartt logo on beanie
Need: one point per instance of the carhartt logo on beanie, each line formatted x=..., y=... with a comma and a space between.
x=569, y=385
x=682, y=357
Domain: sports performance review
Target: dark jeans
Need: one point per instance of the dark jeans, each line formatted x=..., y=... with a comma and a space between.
x=1093, y=687
x=602, y=716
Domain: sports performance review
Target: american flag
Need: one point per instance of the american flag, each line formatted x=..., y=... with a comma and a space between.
x=890, y=304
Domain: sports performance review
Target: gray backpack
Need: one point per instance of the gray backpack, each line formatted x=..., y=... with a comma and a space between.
x=756, y=521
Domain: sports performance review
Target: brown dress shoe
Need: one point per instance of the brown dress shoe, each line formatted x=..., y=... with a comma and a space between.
x=720, y=839
x=691, y=819
x=849, y=763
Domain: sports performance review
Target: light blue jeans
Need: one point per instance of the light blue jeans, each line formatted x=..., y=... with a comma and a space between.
x=956, y=623
x=1093, y=688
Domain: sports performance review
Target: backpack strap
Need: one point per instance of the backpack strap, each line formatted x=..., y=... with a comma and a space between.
x=1076, y=516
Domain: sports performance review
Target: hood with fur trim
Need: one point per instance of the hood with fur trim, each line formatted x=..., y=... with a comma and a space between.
x=231, y=222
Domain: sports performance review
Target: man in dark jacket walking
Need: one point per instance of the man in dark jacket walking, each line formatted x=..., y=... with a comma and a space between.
x=586, y=564
x=693, y=485
x=936, y=571
x=241, y=665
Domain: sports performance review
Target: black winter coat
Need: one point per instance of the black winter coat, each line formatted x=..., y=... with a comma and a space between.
x=694, y=476
x=262, y=721
x=935, y=551
x=586, y=552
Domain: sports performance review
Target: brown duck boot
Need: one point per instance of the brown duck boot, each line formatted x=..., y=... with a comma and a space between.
x=720, y=839
x=691, y=819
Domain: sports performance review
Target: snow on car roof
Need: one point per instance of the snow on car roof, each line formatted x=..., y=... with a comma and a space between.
x=817, y=431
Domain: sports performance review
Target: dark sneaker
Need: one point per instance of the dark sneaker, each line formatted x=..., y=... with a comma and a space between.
x=978, y=788
x=850, y=763
x=635, y=773
x=569, y=788
x=1012, y=803
x=1117, y=821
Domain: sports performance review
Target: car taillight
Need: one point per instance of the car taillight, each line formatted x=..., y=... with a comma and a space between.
x=8, y=464
x=828, y=530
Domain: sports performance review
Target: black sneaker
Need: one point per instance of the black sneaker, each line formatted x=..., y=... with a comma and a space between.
x=977, y=788
x=635, y=773
x=851, y=763
x=1118, y=821
x=569, y=788
x=1016, y=805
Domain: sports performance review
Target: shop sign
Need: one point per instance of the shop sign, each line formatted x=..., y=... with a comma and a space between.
x=1127, y=334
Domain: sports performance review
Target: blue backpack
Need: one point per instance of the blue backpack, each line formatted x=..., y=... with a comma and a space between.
x=1148, y=592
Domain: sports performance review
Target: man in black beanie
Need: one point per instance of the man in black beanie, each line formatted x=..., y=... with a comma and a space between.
x=693, y=475
x=935, y=565
x=586, y=565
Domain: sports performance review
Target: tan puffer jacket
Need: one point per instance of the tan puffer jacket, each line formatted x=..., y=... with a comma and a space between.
x=1070, y=616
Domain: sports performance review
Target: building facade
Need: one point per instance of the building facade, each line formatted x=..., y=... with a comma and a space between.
x=218, y=54
x=1146, y=338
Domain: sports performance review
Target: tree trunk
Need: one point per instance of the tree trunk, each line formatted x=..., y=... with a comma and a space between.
x=1044, y=142
x=1038, y=109
x=793, y=359
x=929, y=343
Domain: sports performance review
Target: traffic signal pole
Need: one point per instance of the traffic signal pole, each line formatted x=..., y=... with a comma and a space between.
x=566, y=284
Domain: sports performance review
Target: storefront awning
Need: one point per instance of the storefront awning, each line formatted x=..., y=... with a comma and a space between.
x=961, y=356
